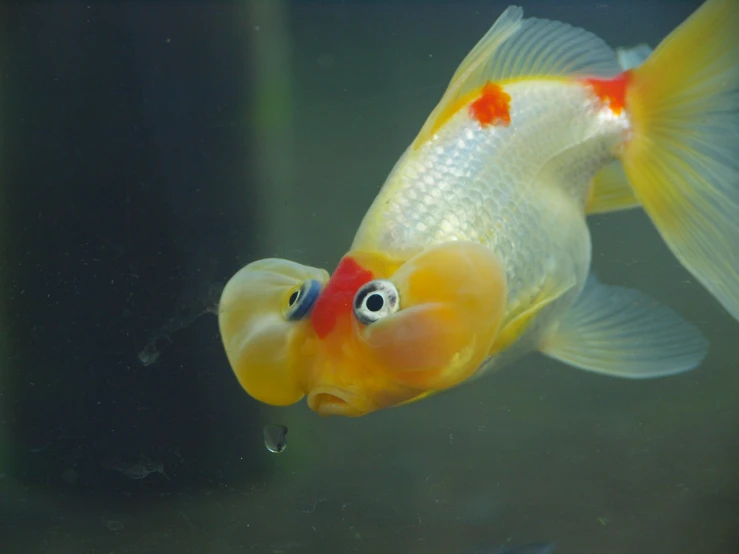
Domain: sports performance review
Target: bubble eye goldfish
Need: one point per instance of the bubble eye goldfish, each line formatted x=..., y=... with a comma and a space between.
x=476, y=250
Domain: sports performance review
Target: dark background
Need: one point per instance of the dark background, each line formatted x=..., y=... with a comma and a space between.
x=116, y=186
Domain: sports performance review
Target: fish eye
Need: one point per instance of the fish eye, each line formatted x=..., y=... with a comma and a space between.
x=301, y=300
x=376, y=300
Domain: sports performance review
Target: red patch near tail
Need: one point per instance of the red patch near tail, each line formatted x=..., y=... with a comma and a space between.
x=493, y=106
x=338, y=295
x=611, y=92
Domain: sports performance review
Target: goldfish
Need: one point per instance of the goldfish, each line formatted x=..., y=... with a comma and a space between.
x=476, y=250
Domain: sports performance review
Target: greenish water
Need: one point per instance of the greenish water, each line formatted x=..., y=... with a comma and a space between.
x=538, y=451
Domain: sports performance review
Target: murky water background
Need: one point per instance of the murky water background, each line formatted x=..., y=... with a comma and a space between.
x=147, y=151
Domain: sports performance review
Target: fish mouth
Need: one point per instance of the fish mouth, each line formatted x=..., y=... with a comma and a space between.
x=332, y=401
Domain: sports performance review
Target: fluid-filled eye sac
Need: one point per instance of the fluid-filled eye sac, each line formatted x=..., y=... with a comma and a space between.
x=453, y=298
x=376, y=300
x=264, y=326
x=301, y=300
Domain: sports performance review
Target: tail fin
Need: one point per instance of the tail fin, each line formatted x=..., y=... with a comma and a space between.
x=683, y=157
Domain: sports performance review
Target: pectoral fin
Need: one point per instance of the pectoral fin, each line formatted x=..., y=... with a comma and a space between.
x=520, y=322
x=623, y=333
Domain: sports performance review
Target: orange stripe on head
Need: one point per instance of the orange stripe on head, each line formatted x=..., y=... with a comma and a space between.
x=611, y=92
x=338, y=295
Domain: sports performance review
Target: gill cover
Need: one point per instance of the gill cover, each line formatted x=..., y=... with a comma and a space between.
x=452, y=298
x=264, y=319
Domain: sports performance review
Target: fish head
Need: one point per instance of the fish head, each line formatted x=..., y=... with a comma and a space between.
x=380, y=332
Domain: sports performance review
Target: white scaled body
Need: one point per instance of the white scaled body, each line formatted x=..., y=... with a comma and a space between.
x=519, y=189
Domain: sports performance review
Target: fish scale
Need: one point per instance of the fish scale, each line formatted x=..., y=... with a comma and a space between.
x=518, y=189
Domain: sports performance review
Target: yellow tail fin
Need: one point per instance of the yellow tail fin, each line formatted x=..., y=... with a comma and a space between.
x=683, y=157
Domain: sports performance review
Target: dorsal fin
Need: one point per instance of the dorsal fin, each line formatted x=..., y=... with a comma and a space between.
x=515, y=48
x=629, y=58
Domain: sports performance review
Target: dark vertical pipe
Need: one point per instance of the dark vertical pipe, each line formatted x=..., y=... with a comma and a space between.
x=119, y=162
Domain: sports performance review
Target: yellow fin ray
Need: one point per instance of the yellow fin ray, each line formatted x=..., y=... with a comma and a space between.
x=682, y=159
x=514, y=48
x=623, y=333
x=611, y=191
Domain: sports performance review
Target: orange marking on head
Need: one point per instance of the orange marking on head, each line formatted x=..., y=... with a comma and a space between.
x=492, y=107
x=611, y=92
x=338, y=295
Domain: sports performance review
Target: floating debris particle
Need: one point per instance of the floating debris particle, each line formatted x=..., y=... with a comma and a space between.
x=199, y=297
x=140, y=469
x=275, y=438
x=114, y=524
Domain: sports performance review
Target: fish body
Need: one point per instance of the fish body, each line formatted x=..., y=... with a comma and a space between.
x=476, y=250
x=518, y=189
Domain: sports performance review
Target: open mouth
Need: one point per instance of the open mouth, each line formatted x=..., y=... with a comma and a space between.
x=332, y=402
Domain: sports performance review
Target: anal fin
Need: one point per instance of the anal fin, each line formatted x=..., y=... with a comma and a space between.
x=611, y=191
x=623, y=333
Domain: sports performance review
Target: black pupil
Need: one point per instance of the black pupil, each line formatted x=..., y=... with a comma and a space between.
x=375, y=302
x=294, y=297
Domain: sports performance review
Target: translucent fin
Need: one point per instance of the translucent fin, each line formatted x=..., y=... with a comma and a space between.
x=517, y=326
x=683, y=157
x=629, y=58
x=514, y=48
x=421, y=396
x=624, y=333
x=611, y=191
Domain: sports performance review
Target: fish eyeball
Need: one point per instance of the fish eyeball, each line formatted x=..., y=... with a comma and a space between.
x=375, y=300
x=301, y=299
